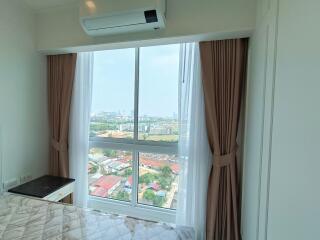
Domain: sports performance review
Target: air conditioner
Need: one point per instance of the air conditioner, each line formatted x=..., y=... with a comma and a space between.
x=106, y=17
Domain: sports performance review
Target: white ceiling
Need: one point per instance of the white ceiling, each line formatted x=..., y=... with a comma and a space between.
x=41, y=4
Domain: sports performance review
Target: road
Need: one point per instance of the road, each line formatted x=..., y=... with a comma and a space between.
x=170, y=194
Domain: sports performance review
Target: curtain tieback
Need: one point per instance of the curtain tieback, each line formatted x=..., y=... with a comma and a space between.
x=61, y=146
x=225, y=159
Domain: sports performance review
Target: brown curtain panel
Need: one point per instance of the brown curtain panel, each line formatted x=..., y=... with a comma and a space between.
x=61, y=70
x=224, y=66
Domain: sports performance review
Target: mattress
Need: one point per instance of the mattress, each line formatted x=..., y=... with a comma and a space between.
x=32, y=219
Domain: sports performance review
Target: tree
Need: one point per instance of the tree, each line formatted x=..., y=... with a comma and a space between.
x=127, y=172
x=144, y=136
x=166, y=171
x=123, y=196
x=147, y=178
x=109, y=153
x=102, y=126
x=165, y=183
x=158, y=201
x=149, y=195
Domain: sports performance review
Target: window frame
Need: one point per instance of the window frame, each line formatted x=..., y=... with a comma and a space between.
x=133, y=207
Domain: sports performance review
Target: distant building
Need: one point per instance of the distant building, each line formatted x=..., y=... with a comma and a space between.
x=154, y=186
x=160, y=130
x=158, y=164
x=105, y=185
x=126, y=159
x=115, y=166
x=161, y=193
x=100, y=192
x=175, y=168
x=126, y=127
x=99, y=158
x=143, y=128
x=118, y=166
x=128, y=184
x=92, y=178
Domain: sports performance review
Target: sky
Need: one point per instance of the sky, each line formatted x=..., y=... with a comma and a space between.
x=113, y=81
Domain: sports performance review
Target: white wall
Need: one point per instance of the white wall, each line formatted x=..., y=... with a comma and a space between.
x=23, y=121
x=281, y=194
x=294, y=207
x=59, y=28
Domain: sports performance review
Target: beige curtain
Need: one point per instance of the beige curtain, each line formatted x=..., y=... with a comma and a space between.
x=61, y=70
x=223, y=71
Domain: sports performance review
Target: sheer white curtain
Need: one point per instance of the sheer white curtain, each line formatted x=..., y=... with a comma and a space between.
x=194, y=150
x=79, y=127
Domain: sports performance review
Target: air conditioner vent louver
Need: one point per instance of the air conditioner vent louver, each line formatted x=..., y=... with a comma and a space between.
x=114, y=21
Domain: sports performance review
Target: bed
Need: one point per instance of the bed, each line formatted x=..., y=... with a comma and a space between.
x=32, y=219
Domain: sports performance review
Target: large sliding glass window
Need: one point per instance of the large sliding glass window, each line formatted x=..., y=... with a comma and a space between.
x=134, y=129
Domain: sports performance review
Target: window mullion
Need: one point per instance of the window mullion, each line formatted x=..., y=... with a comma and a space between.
x=135, y=174
x=136, y=94
x=135, y=164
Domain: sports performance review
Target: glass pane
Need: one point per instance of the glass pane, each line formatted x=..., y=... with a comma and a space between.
x=158, y=180
x=110, y=173
x=113, y=94
x=158, y=93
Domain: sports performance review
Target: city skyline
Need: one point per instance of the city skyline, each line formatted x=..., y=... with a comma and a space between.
x=124, y=113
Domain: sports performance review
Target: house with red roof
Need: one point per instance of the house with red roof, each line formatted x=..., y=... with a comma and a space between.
x=175, y=168
x=105, y=185
x=100, y=192
x=154, y=186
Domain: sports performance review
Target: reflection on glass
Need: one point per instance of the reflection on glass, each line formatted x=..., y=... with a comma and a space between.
x=113, y=94
x=158, y=93
x=158, y=180
x=110, y=174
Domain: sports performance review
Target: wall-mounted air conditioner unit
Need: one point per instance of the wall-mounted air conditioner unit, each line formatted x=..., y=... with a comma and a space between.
x=105, y=17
